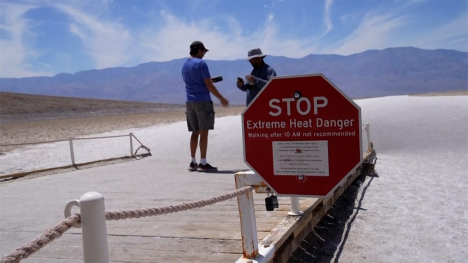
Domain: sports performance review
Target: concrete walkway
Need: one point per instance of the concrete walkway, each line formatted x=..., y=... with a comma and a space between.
x=210, y=234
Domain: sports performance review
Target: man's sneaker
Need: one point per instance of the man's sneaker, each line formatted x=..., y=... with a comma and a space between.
x=193, y=166
x=206, y=168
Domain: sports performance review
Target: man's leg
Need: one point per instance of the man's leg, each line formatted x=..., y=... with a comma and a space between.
x=206, y=122
x=203, y=143
x=192, y=125
x=193, y=149
x=194, y=143
x=204, y=166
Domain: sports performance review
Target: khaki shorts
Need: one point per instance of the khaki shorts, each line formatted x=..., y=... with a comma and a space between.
x=200, y=115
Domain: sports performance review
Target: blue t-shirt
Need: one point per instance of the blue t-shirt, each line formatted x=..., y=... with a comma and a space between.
x=194, y=73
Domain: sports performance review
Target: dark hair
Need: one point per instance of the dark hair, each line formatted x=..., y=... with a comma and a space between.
x=195, y=46
x=194, y=50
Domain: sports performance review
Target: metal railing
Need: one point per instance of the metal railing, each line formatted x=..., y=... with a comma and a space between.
x=72, y=150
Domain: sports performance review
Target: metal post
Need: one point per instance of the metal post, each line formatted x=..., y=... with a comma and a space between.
x=369, y=147
x=251, y=251
x=72, y=154
x=248, y=225
x=131, y=144
x=295, y=209
x=93, y=224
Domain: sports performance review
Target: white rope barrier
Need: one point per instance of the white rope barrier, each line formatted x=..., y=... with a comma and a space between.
x=55, y=232
x=72, y=152
x=129, y=214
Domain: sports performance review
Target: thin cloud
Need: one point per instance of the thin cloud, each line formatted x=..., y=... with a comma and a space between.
x=453, y=35
x=106, y=43
x=375, y=32
x=14, y=53
x=327, y=21
x=111, y=43
x=270, y=18
x=171, y=40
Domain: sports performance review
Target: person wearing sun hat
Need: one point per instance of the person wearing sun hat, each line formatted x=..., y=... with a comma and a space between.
x=199, y=107
x=259, y=76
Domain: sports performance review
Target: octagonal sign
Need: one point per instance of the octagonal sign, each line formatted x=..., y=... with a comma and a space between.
x=302, y=135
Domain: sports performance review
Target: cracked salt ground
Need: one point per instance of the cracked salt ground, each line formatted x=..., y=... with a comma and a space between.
x=413, y=209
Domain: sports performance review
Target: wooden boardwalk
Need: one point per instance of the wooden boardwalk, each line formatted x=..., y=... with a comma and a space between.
x=209, y=234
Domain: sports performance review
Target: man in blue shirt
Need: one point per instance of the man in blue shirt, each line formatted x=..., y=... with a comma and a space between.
x=199, y=107
x=259, y=76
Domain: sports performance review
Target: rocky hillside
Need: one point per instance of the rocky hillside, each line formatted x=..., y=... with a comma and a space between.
x=392, y=71
x=25, y=107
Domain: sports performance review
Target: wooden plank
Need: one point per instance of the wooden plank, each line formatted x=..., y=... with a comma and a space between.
x=147, y=249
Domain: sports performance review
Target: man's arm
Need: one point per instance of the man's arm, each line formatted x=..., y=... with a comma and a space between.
x=241, y=85
x=215, y=92
x=259, y=82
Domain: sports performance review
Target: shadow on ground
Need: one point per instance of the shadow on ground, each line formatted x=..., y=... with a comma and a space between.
x=325, y=242
x=226, y=171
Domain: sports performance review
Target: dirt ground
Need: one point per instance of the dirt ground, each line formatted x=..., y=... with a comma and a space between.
x=31, y=118
x=17, y=107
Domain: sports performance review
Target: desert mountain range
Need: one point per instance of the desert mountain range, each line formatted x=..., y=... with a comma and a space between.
x=392, y=71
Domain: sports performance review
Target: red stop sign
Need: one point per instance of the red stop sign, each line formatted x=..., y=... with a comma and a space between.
x=302, y=135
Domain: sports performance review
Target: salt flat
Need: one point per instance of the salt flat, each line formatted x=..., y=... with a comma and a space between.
x=414, y=211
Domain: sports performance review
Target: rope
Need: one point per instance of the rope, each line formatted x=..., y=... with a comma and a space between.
x=57, y=231
x=141, y=146
x=38, y=243
x=129, y=214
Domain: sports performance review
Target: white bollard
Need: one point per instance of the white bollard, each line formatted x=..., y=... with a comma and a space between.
x=250, y=249
x=248, y=225
x=369, y=147
x=72, y=154
x=131, y=144
x=295, y=208
x=93, y=225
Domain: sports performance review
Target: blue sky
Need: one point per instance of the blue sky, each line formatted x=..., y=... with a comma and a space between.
x=47, y=37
